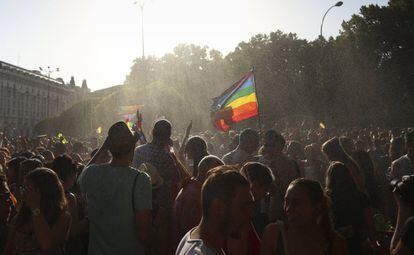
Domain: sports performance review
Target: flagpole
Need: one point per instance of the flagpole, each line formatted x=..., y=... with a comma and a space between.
x=259, y=119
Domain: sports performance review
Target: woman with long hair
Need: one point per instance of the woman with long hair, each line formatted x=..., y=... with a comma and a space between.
x=42, y=223
x=66, y=170
x=335, y=152
x=309, y=228
x=351, y=209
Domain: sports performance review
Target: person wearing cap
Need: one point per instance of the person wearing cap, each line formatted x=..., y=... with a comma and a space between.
x=245, y=151
x=119, y=198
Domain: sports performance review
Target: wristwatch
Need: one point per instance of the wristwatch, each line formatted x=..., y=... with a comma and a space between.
x=36, y=212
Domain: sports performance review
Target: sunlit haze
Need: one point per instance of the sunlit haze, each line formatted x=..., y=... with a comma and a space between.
x=97, y=40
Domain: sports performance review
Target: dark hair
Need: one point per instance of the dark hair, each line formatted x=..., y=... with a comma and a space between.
x=296, y=147
x=198, y=147
x=14, y=164
x=338, y=179
x=248, y=135
x=53, y=202
x=343, y=192
x=208, y=161
x=59, y=148
x=255, y=171
x=366, y=165
x=162, y=130
x=40, y=158
x=397, y=142
x=64, y=166
x=196, y=144
x=26, y=154
x=220, y=185
x=347, y=144
x=27, y=166
x=333, y=149
x=273, y=138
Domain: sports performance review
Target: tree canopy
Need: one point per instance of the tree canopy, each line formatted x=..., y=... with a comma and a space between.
x=363, y=77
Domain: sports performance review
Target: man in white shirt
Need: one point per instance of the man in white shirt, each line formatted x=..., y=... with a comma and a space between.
x=227, y=206
x=245, y=151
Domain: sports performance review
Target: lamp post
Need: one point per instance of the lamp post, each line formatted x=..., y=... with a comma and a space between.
x=48, y=72
x=141, y=4
x=338, y=4
x=324, y=90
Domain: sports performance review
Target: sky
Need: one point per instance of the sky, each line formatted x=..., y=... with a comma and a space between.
x=98, y=40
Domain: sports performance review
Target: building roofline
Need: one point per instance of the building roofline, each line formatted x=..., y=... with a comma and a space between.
x=5, y=65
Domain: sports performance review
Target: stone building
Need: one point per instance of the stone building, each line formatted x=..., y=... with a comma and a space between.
x=27, y=97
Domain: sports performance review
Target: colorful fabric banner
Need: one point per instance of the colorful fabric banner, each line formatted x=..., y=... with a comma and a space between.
x=237, y=103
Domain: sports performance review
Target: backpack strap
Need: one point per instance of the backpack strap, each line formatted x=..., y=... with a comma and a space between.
x=133, y=192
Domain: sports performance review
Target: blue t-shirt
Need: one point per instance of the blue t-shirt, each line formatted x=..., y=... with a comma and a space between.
x=109, y=194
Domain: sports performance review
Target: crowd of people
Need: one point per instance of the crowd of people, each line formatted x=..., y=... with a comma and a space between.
x=272, y=192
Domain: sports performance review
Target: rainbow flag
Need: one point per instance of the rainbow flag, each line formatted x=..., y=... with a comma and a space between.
x=237, y=103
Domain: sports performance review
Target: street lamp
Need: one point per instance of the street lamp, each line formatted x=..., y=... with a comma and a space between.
x=338, y=4
x=48, y=71
x=141, y=4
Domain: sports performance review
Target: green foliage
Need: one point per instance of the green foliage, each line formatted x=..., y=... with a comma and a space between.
x=362, y=77
x=75, y=121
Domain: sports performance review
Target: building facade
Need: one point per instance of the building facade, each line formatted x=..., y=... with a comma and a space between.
x=27, y=97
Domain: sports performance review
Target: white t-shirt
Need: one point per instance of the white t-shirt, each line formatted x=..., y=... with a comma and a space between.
x=190, y=246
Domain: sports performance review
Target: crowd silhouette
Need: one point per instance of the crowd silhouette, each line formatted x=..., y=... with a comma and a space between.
x=290, y=191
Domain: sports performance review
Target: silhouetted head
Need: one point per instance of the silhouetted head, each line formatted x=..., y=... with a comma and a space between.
x=306, y=202
x=196, y=146
x=226, y=200
x=121, y=140
x=396, y=148
x=161, y=132
x=260, y=178
x=249, y=140
x=333, y=150
x=66, y=169
x=409, y=139
x=52, y=201
x=206, y=164
x=347, y=144
x=295, y=150
x=274, y=140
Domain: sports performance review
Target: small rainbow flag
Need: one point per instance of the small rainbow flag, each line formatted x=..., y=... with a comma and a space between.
x=237, y=103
